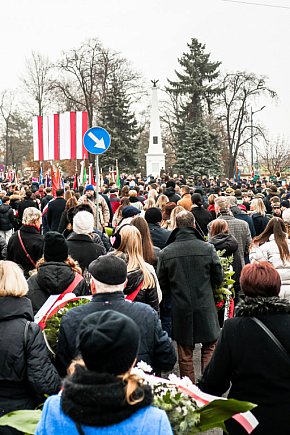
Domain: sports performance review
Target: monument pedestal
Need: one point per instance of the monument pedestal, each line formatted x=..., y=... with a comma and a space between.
x=154, y=163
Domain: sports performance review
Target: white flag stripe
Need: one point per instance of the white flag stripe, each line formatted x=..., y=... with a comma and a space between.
x=35, y=138
x=45, y=138
x=79, y=135
x=50, y=137
x=61, y=135
x=64, y=137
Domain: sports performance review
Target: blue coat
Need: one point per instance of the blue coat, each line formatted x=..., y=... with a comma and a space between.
x=148, y=420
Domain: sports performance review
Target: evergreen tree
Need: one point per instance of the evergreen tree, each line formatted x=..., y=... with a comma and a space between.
x=195, y=90
x=117, y=118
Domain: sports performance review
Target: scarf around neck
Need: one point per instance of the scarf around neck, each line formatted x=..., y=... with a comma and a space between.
x=98, y=399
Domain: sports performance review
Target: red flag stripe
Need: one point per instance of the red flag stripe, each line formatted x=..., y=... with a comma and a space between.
x=56, y=137
x=40, y=138
x=85, y=127
x=73, y=135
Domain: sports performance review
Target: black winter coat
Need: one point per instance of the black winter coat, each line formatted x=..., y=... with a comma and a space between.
x=155, y=348
x=7, y=221
x=23, y=204
x=33, y=242
x=26, y=372
x=45, y=200
x=54, y=212
x=172, y=195
x=228, y=243
x=202, y=217
x=83, y=249
x=247, y=361
x=159, y=236
x=52, y=278
x=260, y=222
x=189, y=269
x=148, y=296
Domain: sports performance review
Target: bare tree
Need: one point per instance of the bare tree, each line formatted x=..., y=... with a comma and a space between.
x=87, y=74
x=7, y=99
x=37, y=81
x=240, y=90
x=276, y=156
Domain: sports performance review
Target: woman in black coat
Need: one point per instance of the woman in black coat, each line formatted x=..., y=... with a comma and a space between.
x=31, y=239
x=202, y=216
x=223, y=241
x=26, y=372
x=55, y=272
x=141, y=275
x=84, y=246
x=247, y=360
x=259, y=217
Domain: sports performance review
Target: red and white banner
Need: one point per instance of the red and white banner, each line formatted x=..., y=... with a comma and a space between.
x=60, y=136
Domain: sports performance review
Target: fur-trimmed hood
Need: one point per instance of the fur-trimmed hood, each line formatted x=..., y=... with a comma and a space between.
x=250, y=307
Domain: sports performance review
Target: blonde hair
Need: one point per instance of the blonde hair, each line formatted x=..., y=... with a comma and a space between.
x=211, y=198
x=162, y=201
x=131, y=244
x=132, y=384
x=12, y=280
x=152, y=194
x=131, y=381
x=31, y=215
x=175, y=211
x=133, y=193
x=74, y=265
x=258, y=206
x=149, y=203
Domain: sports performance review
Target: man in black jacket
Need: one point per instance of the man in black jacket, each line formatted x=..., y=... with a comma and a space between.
x=188, y=269
x=26, y=202
x=47, y=197
x=159, y=236
x=170, y=191
x=109, y=277
x=55, y=210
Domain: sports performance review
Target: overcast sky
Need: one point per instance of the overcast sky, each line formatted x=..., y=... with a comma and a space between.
x=152, y=34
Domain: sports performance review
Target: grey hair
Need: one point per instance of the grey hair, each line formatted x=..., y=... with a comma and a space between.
x=232, y=201
x=222, y=203
x=31, y=215
x=185, y=219
x=107, y=288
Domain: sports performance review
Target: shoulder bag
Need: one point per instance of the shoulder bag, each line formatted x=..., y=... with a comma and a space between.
x=24, y=249
x=273, y=337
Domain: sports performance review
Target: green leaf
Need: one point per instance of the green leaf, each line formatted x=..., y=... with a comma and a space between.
x=24, y=421
x=216, y=412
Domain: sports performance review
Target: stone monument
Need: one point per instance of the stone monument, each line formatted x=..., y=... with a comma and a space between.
x=155, y=157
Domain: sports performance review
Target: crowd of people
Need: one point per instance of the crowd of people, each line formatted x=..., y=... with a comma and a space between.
x=149, y=255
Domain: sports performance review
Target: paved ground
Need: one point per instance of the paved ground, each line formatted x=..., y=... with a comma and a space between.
x=196, y=358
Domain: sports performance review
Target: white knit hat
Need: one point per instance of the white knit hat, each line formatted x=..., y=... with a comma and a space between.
x=83, y=222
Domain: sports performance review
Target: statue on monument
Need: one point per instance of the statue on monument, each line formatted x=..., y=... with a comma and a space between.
x=154, y=83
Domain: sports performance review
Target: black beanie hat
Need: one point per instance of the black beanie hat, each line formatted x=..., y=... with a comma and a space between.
x=170, y=183
x=108, y=342
x=55, y=247
x=153, y=215
x=109, y=269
